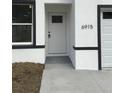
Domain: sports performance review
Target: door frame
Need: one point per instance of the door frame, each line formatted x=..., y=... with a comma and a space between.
x=99, y=33
x=56, y=54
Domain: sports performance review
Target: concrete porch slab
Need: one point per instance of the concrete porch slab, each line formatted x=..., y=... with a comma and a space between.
x=60, y=77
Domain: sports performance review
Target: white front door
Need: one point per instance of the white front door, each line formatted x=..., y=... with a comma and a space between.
x=57, y=33
x=106, y=38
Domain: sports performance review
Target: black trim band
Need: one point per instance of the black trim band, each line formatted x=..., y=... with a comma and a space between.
x=23, y=1
x=28, y=47
x=34, y=23
x=85, y=48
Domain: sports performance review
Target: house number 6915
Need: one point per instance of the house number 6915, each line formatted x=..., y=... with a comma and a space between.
x=87, y=26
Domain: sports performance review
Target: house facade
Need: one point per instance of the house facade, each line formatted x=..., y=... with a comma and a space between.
x=80, y=29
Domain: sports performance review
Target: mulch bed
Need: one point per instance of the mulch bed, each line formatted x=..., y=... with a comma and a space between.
x=26, y=77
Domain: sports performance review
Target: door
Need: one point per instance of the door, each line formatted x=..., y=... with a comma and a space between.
x=57, y=33
x=106, y=38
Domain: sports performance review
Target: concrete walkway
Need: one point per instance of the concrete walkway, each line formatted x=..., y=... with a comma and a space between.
x=60, y=77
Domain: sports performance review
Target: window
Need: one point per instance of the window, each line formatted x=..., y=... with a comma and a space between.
x=22, y=24
x=21, y=33
x=57, y=19
x=107, y=15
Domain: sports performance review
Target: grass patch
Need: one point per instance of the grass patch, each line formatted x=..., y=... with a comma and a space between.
x=26, y=77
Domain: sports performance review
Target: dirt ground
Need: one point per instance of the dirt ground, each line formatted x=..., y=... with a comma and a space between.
x=26, y=77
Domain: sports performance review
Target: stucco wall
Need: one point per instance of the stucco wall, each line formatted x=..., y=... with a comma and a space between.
x=106, y=2
x=40, y=22
x=28, y=55
x=86, y=13
x=87, y=60
x=82, y=12
x=72, y=34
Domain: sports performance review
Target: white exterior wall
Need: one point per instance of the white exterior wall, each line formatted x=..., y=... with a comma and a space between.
x=28, y=55
x=87, y=60
x=72, y=34
x=40, y=22
x=106, y=2
x=81, y=12
x=86, y=13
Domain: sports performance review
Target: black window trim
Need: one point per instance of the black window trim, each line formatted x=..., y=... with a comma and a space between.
x=23, y=1
x=34, y=24
x=24, y=24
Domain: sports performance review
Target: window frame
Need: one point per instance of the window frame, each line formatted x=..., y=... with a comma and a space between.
x=25, y=24
x=33, y=28
x=55, y=20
